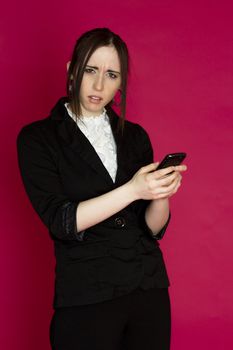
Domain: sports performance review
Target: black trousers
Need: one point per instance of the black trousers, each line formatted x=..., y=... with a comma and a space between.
x=139, y=320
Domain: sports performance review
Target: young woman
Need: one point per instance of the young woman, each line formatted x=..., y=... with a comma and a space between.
x=90, y=176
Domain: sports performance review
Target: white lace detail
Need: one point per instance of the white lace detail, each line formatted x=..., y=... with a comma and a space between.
x=98, y=131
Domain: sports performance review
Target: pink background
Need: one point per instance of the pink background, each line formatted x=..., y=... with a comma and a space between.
x=181, y=92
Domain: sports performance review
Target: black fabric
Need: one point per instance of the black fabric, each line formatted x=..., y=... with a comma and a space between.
x=136, y=321
x=59, y=169
x=69, y=221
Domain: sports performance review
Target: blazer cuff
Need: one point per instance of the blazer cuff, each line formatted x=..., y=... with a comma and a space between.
x=69, y=221
x=161, y=233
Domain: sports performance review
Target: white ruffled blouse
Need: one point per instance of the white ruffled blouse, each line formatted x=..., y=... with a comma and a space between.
x=98, y=131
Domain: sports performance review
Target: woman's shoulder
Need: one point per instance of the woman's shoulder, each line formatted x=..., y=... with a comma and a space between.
x=135, y=126
x=34, y=130
x=44, y=126
x=37, y=139
x=136, y=131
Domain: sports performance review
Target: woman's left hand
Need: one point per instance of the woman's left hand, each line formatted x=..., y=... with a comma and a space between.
x=175, y=179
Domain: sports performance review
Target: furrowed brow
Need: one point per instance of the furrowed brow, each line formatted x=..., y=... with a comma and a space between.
x=109, y=70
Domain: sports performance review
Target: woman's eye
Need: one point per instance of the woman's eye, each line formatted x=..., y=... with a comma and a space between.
x=89, y=70
x=112, y=75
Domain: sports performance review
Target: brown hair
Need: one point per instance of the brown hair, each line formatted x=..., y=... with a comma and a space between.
x=85, y=46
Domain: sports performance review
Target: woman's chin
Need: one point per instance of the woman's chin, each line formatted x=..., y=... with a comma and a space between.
x=92, y=109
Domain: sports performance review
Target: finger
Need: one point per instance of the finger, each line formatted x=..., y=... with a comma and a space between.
x=162, y=175
x=170, y=169
x=167, y=192
x=175, y=177
x=169, y=188
x=162, y=181
x=163, y=172
x=148, y=168
x=167, y=180
x=182, y=167
x=176, y=187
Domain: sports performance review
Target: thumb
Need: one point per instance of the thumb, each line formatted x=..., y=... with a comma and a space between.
x=148, y=168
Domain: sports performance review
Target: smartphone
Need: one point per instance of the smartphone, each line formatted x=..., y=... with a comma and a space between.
x=171, y=159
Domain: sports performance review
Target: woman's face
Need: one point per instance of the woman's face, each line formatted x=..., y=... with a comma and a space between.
x=101, y=80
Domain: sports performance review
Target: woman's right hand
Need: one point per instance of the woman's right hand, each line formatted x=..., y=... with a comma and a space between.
x=149, y=184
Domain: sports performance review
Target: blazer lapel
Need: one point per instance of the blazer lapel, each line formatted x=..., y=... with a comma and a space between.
x=114, y=119
x=73, y=136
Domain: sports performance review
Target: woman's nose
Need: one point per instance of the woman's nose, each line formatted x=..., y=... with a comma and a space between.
x=99, y=82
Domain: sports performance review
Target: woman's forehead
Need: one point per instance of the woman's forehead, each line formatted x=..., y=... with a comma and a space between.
x=105, y=55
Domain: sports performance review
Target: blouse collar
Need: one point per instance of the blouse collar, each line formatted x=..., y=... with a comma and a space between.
x=102, y=116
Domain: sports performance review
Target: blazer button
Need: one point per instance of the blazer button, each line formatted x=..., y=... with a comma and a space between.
x=120, y=221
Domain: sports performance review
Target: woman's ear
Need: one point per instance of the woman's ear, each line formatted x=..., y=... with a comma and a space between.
x=67, y=65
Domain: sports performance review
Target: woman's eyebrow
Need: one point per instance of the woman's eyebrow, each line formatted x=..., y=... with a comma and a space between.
x=109, y=70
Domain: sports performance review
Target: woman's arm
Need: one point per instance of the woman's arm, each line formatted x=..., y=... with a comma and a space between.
x=61, y=215
x=95, y=210
x=145, y=184
x=157, y=214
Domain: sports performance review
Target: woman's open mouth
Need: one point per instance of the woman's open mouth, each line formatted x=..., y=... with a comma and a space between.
x=95, y=99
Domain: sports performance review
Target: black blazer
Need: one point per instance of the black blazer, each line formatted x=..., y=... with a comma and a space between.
x=59, y=169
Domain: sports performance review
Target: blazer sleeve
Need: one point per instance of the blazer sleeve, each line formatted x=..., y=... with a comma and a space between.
x=41, y=180
x=147, y=158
